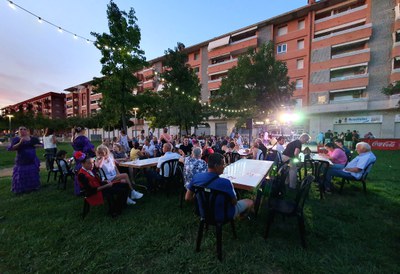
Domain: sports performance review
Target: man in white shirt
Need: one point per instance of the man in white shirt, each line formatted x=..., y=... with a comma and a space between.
x=168, y=155
x=148, y=148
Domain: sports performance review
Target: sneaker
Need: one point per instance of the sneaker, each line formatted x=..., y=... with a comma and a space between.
x=129, y=201
x=136, y=195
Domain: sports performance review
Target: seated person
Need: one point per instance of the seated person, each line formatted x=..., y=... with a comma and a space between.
x=66, y=164
x=186, y=147
x=153, y=176
x=118, y=152
x=194, y=165
x=256, y=151
x=96, y=189
x=354, y=169
x=339, y=143
x=279, y=144
x=105, y=161
x=135, y=153
x=261, y=146
x=148, y=149
x=336, y=155
x=212, y=180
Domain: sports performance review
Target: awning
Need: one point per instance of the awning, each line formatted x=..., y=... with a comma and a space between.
x=219, y=43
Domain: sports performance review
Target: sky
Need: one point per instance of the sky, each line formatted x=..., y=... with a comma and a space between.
x=35, y=58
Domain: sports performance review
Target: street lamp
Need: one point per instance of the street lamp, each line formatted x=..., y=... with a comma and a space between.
x=135, y=111
x=9, y=122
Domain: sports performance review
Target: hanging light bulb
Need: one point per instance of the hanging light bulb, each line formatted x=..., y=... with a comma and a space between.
x=87, y=41
x=11, y=4
x=40, y=20
x=75, y=36
x=60, y=29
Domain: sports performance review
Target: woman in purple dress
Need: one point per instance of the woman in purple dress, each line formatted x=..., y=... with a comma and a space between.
x=26, y=170
x=80, y=143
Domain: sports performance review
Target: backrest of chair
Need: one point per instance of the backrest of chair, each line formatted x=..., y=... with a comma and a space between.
x=231, y=157
x=169, y=167
x=367, y=170
x=260, y=156
x=63, y=166
x=278, y=186
x=213, y=205
x=303, y=191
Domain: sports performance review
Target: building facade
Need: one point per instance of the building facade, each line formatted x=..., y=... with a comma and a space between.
x=50, y=104
x=81, y=100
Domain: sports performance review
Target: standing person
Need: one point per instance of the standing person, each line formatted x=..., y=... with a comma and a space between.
x=320, y=138
x=165, y=137
x=328, y=136
x=291, y=153
x=26, y=170
x=355, y=138
x=348, y=139
x=212, y=180
x=80, y=143
x=50, y=147
x=124, y=140
x=279, y=144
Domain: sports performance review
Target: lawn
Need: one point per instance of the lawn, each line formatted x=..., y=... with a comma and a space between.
x=349, y=233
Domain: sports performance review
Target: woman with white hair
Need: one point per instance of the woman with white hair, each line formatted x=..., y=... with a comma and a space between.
x=193, y=165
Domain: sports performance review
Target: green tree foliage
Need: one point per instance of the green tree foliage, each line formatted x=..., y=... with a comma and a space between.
x=257, y=86
x=179, y=101
x=121, y=57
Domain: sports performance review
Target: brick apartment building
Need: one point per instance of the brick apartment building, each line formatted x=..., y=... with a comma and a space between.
x=50, y=104
x=340, y=53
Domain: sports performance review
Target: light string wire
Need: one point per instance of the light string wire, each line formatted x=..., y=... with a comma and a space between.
x=41, y=19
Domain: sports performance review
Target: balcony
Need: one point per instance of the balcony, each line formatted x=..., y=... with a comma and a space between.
x=238, y=46
x=336, y=13
x=148, y=84
x=350, y=48
x=222, y=66
x=327, y=34
x=349, y=72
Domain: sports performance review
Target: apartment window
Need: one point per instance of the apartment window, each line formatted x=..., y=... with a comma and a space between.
x=322, y=99
x=299, y=83
x=396, y=63
x=282, y=48
x=300, y=63
x=347, y=95
x=349, y=72
x=397, y=36
x=300, y=44
x=340, y=28
x=349, y=47
x=298, y=103
x=195, y=56
x=196, y=70
x=301, y=24
x=282, y=30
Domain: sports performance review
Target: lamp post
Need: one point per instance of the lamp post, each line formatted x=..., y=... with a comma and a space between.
x=135, y=112
x=9, y=122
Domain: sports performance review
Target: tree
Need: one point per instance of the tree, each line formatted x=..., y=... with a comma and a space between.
x=121, y=57
x=258, y=84
x=178, y=103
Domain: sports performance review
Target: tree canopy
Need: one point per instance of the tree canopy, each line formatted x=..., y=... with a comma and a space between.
x=121, y=56
x=258, y=85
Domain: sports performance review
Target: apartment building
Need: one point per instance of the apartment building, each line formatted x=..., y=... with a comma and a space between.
x=81, y=100
x=339, y=53
x=50, y=104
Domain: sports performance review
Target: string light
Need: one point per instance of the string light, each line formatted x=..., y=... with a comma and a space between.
x=40, y=19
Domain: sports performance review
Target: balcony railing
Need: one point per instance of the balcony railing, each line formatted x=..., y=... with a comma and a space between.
x=340, y=14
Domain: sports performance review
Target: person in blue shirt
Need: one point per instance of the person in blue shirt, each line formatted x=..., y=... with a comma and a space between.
x=354, y=169
x=212, y=180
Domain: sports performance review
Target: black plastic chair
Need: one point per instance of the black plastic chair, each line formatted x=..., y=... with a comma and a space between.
x=363, y=178
x=290, y=208
x=231, y=157
x=261, y=156
x=64, y=174
x=52, y=171
x=168, y=171
x=207, y=206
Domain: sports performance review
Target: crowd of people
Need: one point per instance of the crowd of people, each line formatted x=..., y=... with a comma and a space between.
x=202, y=160
x=350, y=138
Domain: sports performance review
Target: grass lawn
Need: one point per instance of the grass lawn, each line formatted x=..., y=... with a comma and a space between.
x=349, y=233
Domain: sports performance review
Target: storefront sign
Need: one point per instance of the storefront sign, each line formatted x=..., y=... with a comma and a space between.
x=358, y=120
x=383, y=144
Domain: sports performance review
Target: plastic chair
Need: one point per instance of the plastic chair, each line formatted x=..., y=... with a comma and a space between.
x=231, y=157
x=363, y=178
x=207, y=206
x=290, y=208
x=64, y=174
x=50, y=171
x=168, y=171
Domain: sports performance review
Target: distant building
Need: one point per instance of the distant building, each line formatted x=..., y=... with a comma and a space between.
x=50, y=104
x=81, y=100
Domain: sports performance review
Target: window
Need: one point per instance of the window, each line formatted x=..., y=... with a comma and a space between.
x=322, y=99
x=282, y=48
x=396, y=63
x=282, y=30
x=195, y=56
x=196, y=70
x=300, y=44
x=397, y=36
x=301, y=24
x=347, y=95
x=300, y=63
x=349, y=47
x=299, y=83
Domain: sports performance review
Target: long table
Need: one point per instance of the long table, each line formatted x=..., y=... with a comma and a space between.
x=247, y=174
x=151, y=162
